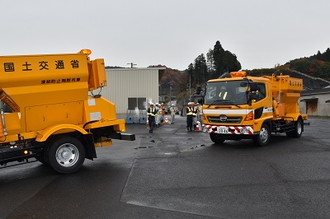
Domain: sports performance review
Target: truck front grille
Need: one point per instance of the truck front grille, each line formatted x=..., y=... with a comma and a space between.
x=216, y=119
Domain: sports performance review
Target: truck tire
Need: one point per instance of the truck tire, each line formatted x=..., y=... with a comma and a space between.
x=66, y=154
x=216, y=138
x=263, y=137
x=298, y=129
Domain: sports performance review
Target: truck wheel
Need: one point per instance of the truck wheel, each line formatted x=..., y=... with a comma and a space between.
x=216, y=138
x=298, y=129
x=66, y=154
x=263, y=137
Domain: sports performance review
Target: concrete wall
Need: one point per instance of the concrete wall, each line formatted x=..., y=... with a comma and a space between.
x=315, y=104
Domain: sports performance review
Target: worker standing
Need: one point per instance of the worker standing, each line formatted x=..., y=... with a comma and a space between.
x=199, y=112
x=190, y=116
x=152, y=113
x=158, y=116
x=172, y=110
x=162, y=107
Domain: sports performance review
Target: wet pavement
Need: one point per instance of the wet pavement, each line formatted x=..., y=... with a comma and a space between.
x=173, y=173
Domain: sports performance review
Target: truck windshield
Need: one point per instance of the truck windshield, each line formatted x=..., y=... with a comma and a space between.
x=226, y=93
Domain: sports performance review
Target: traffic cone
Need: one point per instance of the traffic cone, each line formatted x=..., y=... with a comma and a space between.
x=198, y=127
x=166, y=121
x=147, y=123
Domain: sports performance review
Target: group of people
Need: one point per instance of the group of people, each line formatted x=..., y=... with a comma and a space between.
x=194, y=115
x=156, y=115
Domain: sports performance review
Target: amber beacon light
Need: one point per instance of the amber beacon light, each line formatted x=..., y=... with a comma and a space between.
x=86, y=51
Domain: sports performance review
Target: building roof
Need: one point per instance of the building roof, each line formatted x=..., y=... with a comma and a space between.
x=136, y=69
x=309, y=99
x=314, y=92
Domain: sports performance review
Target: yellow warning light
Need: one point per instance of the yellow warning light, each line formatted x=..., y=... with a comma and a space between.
x=238, y=74
x=26, y=152
x=86, y=51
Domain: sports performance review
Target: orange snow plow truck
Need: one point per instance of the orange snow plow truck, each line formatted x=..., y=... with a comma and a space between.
x=243, y=107
x=46, y=112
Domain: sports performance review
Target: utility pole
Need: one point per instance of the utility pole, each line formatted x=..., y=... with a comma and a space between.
x=170, y=93
x=131, y=64
x=189, y=87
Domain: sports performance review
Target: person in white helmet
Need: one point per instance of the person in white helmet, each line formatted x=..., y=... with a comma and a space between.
x=190, y=116
x=152, y=113
x=172, y=110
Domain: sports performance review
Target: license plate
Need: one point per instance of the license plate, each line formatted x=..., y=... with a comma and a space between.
x=222, y=130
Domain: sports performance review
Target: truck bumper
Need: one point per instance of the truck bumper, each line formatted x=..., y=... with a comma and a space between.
x=229, y=130
x=123, y=136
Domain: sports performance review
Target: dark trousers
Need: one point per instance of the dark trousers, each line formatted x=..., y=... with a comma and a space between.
x=189, y=122
x=152, y=123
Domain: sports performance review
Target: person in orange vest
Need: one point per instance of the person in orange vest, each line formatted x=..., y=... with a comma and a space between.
x=152, y=113
x=162, y=107
x=159, y=115
x=190, y=116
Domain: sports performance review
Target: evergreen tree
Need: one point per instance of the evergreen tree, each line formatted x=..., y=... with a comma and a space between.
x=210, y=61
x=218, y=62
x=327, y=55
x=224, y=61
x=218, y=52
x=230, y=62
x=323, y=56
x=200, y=68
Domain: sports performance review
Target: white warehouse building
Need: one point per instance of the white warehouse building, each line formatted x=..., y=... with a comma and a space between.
x=315, y=102
x=132, y=89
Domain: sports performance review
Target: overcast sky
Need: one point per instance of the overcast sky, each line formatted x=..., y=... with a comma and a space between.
x=262, y=33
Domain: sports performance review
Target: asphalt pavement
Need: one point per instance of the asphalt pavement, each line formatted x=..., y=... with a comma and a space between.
x=173, y=173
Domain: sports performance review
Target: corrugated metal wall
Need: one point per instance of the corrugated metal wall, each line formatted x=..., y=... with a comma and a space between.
x=133, y=82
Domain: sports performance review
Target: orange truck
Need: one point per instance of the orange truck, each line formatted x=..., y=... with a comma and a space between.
x=46, y=111
x=246, y=107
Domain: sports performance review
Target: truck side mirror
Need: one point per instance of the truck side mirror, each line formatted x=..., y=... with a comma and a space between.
x=252, y=97
x=253, y=93
x=254, y=87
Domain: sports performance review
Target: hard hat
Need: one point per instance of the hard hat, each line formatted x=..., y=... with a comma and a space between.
x=151, y=104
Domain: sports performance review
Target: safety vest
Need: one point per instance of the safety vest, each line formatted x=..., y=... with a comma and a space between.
x=172, y=111
x=152, y=111
x=190, y=111
x=159, y=111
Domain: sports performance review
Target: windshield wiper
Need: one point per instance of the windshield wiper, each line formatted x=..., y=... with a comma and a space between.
x=234, y=104
x=215, y=101
x=225, y=101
